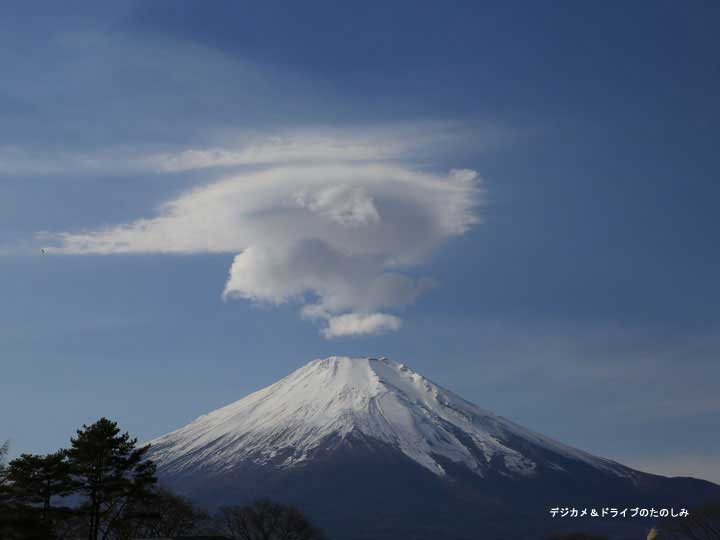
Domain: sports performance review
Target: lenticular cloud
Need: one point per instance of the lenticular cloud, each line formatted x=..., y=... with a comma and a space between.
x=336, y=239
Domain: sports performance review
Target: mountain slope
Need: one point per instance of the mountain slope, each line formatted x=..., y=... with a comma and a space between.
x=342, y=434
x=283, y=423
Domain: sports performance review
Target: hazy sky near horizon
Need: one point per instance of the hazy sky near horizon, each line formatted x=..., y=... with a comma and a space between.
x=517, y=200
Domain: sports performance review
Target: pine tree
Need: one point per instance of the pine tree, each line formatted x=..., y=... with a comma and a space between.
x=110, y=472
x=21, y=490
x=36, y=480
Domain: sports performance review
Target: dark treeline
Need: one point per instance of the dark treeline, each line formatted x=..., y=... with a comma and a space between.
x=103, y=487
x=703, y=523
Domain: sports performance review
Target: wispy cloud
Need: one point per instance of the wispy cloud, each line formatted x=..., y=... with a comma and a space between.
x=181, y=106
x=248, y=148
x=290, y=146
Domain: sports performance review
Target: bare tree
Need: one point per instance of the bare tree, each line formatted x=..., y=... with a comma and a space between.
x=164, y=515
x=4, y=448
x=267, y=520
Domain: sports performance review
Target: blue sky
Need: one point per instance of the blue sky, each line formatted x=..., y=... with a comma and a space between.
x=569, y=282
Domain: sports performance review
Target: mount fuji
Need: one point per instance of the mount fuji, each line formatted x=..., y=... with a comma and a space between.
x=371, y=449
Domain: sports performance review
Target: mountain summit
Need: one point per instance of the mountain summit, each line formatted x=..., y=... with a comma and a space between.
x=370, y=442
x=285, y=423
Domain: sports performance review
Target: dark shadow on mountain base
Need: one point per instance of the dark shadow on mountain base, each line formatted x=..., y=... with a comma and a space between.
x=359, y=488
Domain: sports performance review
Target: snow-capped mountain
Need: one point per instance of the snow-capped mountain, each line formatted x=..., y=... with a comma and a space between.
x=376, y=435
x=384, y=400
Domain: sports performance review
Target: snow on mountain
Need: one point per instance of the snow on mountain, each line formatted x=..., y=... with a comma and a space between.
x=327, y=400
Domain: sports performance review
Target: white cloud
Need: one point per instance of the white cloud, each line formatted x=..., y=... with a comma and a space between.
x=340, y=280
x=252, y=148
x=353, y=324
x=343, y=204
x=332, y=222
x=290, y=146
x=336, y=238
x=246, y=149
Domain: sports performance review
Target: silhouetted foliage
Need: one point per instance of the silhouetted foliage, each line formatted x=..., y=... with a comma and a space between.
x=266, y=520
x=114, y=496
x=32, y=482
x=577, y=536
x=4, y=448
x=17, y=521
x=111, y=473
x=107, y=477
x=23, y=523
x=35, y=480
x=164, y=515
x=702, y=523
